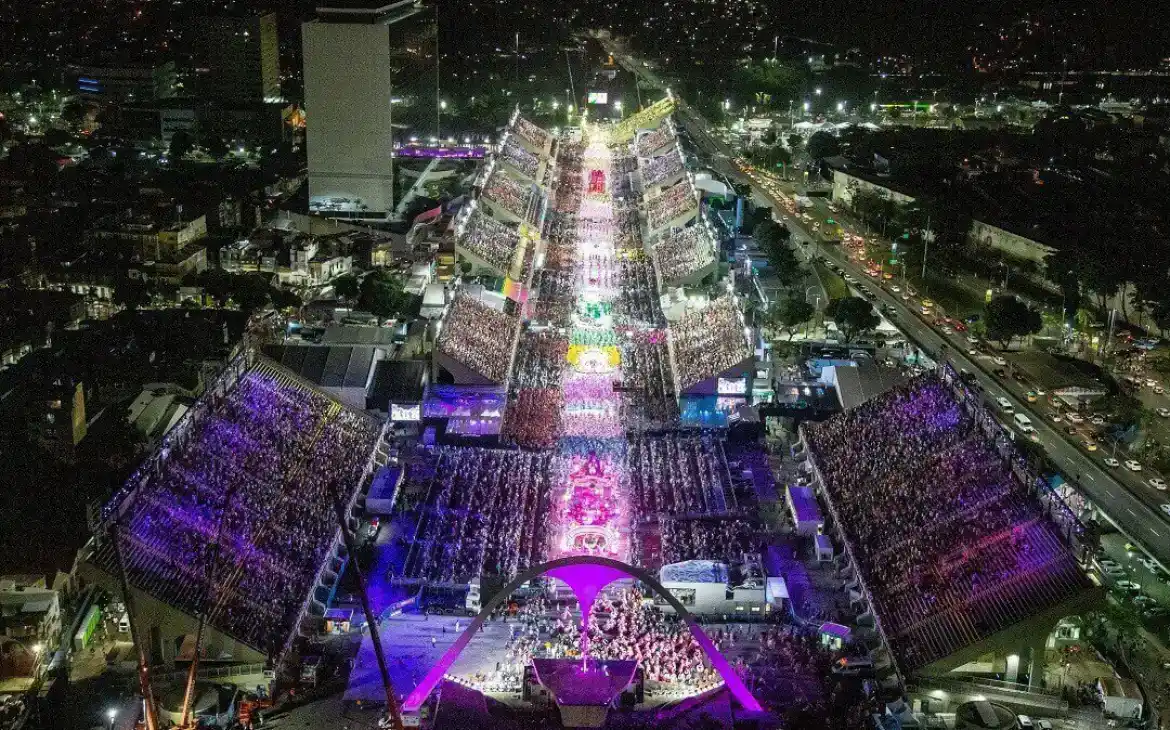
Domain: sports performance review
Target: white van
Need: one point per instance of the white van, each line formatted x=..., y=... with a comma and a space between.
x=1023, y=422
x=1005, y=405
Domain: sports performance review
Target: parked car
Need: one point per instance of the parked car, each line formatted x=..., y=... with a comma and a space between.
x=1128, y=586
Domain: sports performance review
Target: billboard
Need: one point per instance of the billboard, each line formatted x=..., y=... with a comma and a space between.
x=598, y=97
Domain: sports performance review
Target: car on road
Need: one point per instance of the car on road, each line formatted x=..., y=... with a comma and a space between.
x=1097, y=421
x=1159, y=389
x=1111, y=462
x=1149, y=564
x=1158, y=483
x=947, y=330
x=1005, y=405
x=1075, y=418
x=973, y=339
x=1031, y=395
x=1089, y=445
x=1164, y=412
x=1057, y=418
x=926, y=303
x=1133, y=465
x=972, y=352
x=1108, y=564
x=999, y=361
x=1165, y=508
x=1128, y=586
x=895, y=288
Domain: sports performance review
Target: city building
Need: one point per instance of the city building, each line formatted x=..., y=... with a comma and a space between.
x=352, y=54
x=120, y=81
x=243, y=59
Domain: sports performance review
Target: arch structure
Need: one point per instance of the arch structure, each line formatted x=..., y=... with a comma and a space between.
x=586, y=575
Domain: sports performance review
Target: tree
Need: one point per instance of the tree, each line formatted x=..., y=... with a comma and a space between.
x=795, y=142
x=132, y=293
x=181, y=144
x=285, y=299
x=216, y=284
x=822, y=145
x=250, y=292
x=1007, y=317
x=787, y=315
x=465, y=267
x=214, y=145
x=346, y=287
x=382, y=295
x=1061, y=268
x=854, y=316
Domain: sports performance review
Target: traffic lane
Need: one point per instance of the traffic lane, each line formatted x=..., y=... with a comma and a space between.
x=1124, y=508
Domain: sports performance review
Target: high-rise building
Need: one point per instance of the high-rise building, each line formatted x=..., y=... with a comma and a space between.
x=354, y=58
x=241, y=59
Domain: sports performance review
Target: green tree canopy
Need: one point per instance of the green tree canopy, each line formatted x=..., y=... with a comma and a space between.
x=788, y=314
x=854, y=316
x=181, y=144
x=346, y=287
x=822, y=145
x=1007, y=317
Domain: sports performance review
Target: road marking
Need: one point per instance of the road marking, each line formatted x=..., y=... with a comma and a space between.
x=1156, y=533
x=1090, y=476
x=1127, y=509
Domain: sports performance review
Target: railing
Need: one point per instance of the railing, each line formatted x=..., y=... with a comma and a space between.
x=234, y=670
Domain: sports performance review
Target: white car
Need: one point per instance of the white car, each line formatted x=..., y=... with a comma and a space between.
x=1132, y=465
x=1158, y=483
x=999, y=361
x=972, y=352
x=1114, y=463
x=973, y=339
x=1005, y=405
x=1164, y=412
x=1057, y=418
x=1097, y=421
x=1166, y=508
x=1075, y=418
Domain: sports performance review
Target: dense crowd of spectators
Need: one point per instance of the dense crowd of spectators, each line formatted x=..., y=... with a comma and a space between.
x=241, y=514
x=627, y=228
x=484, y=515
x=650, y=142
x=680, y=476
x=529, y=132
x=533, y=419
x=637, y=303
x=658, y=170
x=493, y=241
x=519, y=158
x=681, y=252
x=649, y=383
x=479, y=337
x=512, y=196
x=673, y=202
x=934, y=516
x=708, y=341
x=723, y=540
x=568, y=179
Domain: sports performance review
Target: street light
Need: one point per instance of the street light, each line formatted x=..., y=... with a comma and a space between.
x=112, y=713
x=840, y=106
x=807, y=106
x=617, y=105
x=818, y=91
x=443, y=105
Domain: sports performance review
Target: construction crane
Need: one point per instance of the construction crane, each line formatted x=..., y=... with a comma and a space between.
x=144, y=685
x=392, y=707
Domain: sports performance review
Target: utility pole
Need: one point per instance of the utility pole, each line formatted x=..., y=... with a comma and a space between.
x=1063, y=75
x=144, y=685
x=926, y=236
x=438, y=102
x=572, y=86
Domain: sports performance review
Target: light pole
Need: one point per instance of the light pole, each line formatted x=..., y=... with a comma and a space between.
x=111, y=714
